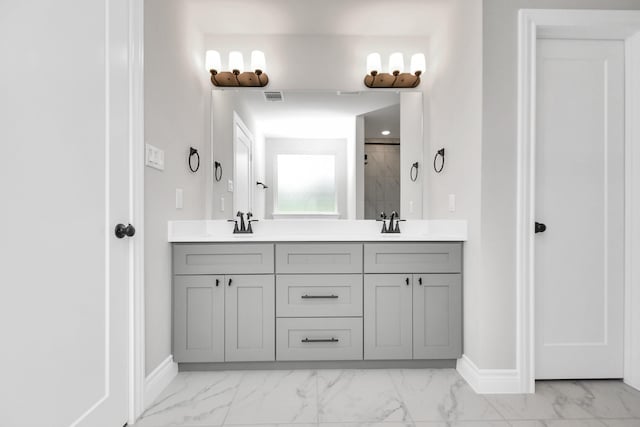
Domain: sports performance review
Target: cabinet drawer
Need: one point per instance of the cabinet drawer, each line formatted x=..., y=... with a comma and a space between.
x=319, y=339
x=319, y=258
x=413, y=258
x=223, y=258
x=332, y=295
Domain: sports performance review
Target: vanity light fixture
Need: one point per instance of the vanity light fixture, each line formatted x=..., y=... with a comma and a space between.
x=396, y=77
x=238, y=76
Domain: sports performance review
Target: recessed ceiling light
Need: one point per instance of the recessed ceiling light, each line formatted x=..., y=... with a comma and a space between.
x=385, y=132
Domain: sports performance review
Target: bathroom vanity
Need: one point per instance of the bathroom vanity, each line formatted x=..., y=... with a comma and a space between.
x=283, y=294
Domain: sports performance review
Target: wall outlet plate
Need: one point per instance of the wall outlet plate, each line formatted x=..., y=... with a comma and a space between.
x=153, y=157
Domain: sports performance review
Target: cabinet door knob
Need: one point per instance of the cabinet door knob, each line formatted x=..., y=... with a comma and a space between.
x=540, y=227
x=420, y=281
x=229, y=282
x=407, y=281
x=217, y=282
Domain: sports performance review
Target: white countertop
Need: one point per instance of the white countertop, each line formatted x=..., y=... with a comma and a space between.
x=314, y=230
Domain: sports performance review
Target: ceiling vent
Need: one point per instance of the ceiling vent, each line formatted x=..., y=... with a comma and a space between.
x=273, y=96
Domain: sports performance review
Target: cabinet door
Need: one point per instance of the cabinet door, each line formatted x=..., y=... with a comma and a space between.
x=249, y=318
x=387, y=316
x=437, y=316
x=198, y=319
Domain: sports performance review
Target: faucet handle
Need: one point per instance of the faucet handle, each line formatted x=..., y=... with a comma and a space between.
x=235, y=225
x=240, y=214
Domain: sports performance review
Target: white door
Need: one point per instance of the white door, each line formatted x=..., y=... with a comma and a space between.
x=580, y=198
x=64, y=180
x=242, y=143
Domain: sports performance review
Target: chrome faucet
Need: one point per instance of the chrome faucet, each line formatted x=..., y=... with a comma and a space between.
x=244, y=228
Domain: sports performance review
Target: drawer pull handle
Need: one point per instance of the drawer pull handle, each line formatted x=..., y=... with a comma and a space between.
x=321, y=340
x=319, y=296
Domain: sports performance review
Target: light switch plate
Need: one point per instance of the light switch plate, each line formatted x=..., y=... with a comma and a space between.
x=179, y=198
x=452, y=202
x=230, y=186
x=153, y=157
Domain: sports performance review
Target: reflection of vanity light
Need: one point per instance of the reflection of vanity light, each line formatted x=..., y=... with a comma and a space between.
x=396, y=77
x=385, y=132
x=238, y=76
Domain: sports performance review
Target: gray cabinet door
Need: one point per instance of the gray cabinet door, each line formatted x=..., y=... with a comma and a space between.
x=198, y=319
x=387, y=316
x=249, y=318
x=437, y=316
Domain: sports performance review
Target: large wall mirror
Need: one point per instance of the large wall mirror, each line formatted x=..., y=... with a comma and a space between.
x=317, y=154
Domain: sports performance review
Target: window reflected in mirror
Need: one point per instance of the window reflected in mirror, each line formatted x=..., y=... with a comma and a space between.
x=306, y=184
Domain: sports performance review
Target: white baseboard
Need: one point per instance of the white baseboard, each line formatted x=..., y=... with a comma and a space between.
x=486, y=381
x=158, y=380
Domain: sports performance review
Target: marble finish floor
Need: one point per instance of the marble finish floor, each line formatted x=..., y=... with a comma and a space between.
x=382, y=398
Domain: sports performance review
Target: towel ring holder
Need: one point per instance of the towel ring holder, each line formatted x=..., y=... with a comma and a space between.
x=193, y=152
x=439, y=153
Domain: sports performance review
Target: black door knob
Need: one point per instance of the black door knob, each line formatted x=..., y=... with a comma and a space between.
x=540, y=227
x=124, y=230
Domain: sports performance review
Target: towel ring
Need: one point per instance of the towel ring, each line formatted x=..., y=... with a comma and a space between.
x=414, y=167
x=440, y=152
x=194, y=152
x=217, y=172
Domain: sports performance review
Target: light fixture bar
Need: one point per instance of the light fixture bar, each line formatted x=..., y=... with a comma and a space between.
x=396, y=77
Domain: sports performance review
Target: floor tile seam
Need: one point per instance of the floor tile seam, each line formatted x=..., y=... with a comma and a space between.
x=233, y=399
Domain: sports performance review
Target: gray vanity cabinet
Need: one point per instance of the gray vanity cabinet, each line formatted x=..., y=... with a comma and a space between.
x=322, y=301
x=223, y=302
x=198, y=318
x=249, y=318
x=387, y=316
x=416, y=313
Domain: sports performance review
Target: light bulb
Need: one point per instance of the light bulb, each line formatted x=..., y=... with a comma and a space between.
x=258, y=61
x=418, y=63
x=385, y=132
x=236, y=62
x=396, y=63
x=374, y=63
x=212, y=60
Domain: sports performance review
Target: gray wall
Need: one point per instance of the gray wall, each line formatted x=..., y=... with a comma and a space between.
x=175, y=118
x=455, y=114
x=499, y=126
